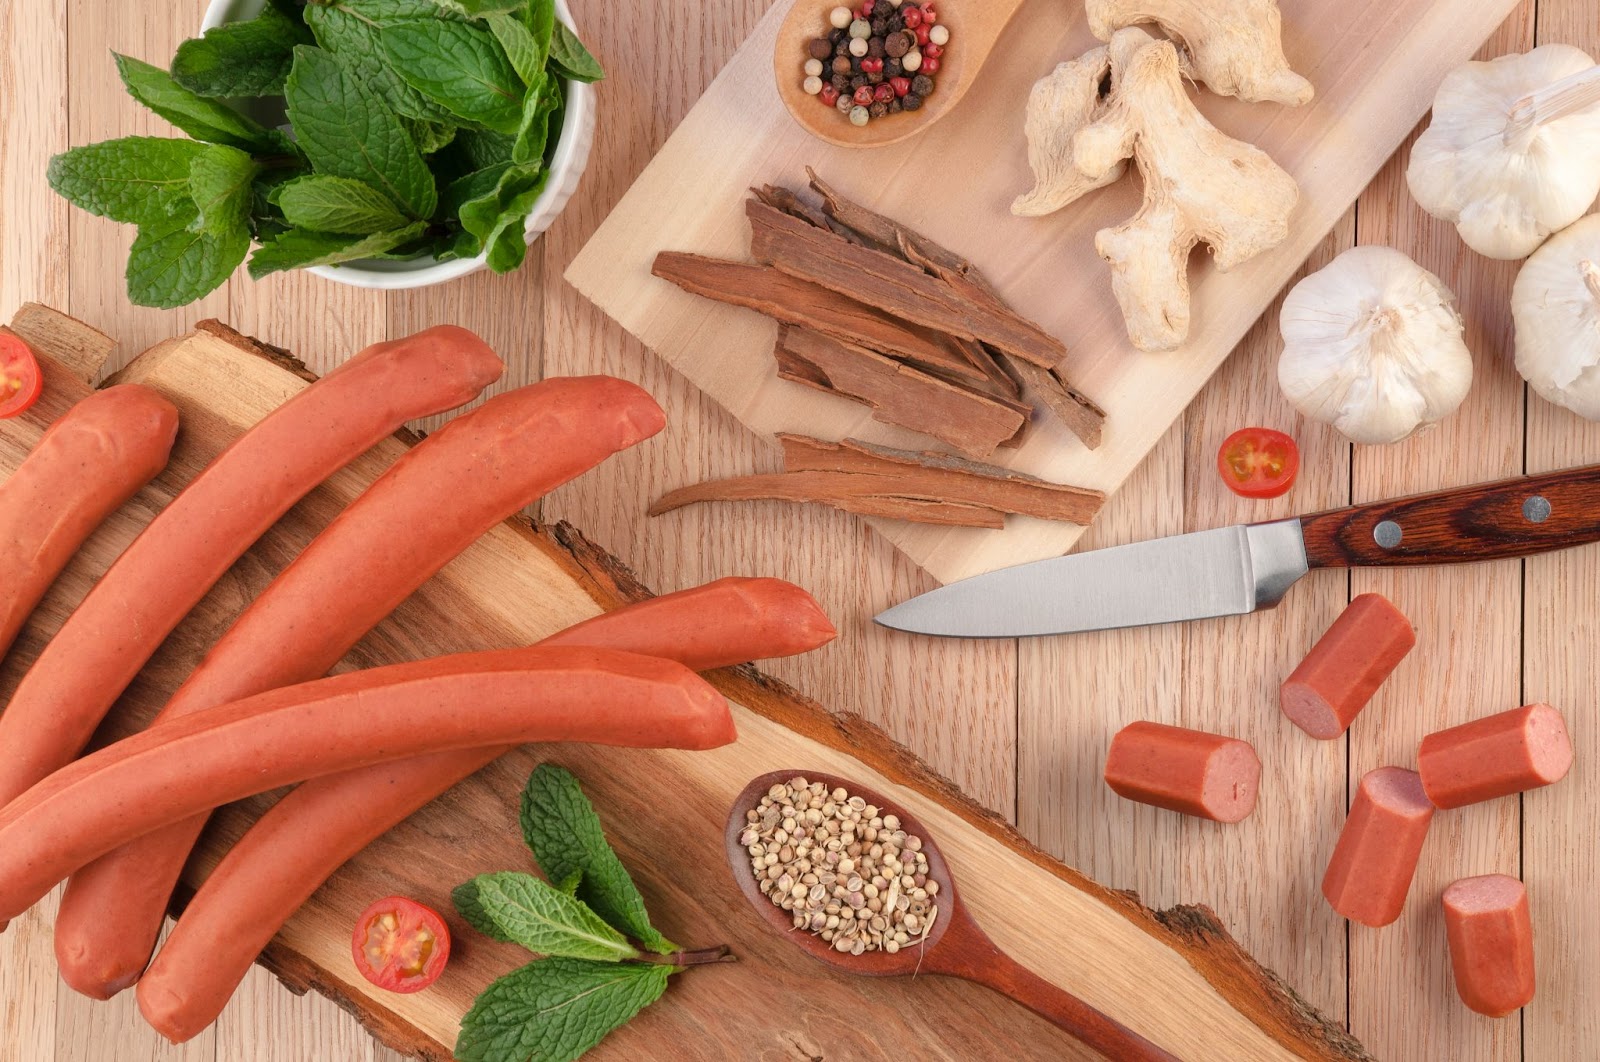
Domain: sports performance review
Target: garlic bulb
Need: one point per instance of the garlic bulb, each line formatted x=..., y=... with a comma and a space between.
x=1555, y=304
x=1513, y=151
x=1372, y=345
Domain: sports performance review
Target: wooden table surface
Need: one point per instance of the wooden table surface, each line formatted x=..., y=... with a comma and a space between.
x=1022, y=726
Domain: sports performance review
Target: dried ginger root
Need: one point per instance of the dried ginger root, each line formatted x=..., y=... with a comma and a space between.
x=1199, y=186
x=1234, y=46
x=1060, y=104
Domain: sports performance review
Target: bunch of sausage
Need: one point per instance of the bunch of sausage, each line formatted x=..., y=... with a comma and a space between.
x=257, y=713
x=1488, y=927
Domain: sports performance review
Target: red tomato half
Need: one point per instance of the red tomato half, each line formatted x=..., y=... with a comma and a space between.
x=1258, y=462
x=400, y=945
x=20, y=378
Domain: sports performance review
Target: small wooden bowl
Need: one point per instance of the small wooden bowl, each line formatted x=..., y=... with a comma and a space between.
x=975, y=27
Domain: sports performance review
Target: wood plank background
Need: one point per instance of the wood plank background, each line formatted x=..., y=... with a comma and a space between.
x=1022, y=726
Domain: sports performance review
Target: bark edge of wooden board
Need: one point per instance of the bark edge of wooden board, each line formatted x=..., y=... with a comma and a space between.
x=1266, y=1006
x=1371, y=91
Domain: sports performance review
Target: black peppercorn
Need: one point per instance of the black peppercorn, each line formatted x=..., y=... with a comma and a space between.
x=820, y=48
x=911, y=101
x=875, y=48
x=892, y=68
x=880, y=26
x=899, y=44
x=859, y=81
x=875, y=77
x=841, y=83
x=895, y=105
x=855, y=66
x=922, y=85
x=878, y=109
x=841, y=64
x=839, y=35
x=884, y=8
x=842, y=48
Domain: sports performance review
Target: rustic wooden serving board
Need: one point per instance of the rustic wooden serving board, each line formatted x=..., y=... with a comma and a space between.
x=1174, y=976
x=1375, y=65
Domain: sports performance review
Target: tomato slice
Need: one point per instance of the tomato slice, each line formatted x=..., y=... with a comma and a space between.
x=400, y=945
x=20, y=378
x=1258, y=462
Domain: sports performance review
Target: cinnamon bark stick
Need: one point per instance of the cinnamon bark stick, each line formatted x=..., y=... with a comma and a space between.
x=797, y=302
x=901, y=484
x=972, y=423
x=890, y=283
x=1075, y=409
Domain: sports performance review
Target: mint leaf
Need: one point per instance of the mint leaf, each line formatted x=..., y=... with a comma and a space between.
x=348, y=131
x=507, y=244
x=173, y=265
x=241, y=58
x=349, y=29
x=564, y=832
x=430, y=136
x=571, y=58
x=298, y=248
x=221, y=183
x=337, y=204
x=201, y=118
x=139, y=180
x=478, y=8
x=458, y=65
x=545, y=920
x=540, y=18
x=554, y=1010
x=475, y=185
x=534, y=132
x=483, y=148
x=469, y=905
x=526, y=52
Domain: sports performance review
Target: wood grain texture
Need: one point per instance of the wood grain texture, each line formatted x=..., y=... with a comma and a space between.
x=520, y=583
x=1376, y=64
x=1025, y=737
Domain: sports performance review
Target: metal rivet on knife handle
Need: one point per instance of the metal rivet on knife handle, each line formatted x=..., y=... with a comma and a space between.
x=1536, y=510
x=1387, y=534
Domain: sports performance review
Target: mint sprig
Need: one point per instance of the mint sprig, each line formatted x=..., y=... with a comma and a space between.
x=591, y=980
x=414, y=127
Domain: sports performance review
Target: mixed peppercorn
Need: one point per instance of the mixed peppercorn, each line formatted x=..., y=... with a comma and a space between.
x=880, y=58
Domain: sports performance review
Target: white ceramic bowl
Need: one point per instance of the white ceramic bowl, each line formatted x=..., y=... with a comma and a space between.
x=566, y=170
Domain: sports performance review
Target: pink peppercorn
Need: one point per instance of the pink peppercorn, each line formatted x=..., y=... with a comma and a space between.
x=922, y=33
x=929, y=12
x=863, y=96
x=912, y=17
x=929, y=67
x=900, y=85
x=830, y=95
x=871, y=66
x=929, y=51
x=883, y=93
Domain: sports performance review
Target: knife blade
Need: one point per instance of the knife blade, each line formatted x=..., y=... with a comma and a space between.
x=1237, y=570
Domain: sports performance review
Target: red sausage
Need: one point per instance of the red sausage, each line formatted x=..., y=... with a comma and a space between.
x=87, y=464
x=1376, y=856
x=1188, y=771
x=1491, y=943
x=187, y=766
x=1346, y=666
x=1496, y=756
x=433, y=503
x=280, y=861
x=167, y=570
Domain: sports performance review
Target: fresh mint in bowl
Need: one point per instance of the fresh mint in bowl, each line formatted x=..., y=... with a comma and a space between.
x=381, y=143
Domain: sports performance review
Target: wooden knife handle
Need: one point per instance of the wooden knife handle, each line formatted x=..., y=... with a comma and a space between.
x=1513, y=518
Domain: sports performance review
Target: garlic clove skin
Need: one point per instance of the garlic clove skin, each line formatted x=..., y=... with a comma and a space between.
x=1555, y=305
x=1507, y=193
x=1372, y=344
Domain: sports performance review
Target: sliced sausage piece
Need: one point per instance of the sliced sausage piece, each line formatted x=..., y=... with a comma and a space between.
x=1182, y=770
x=1496, y=756
x=183, y=552
x=280, y=861
x=1346, y=666
x=1377, y=852
x=434, y=502
x=187, y=766
x=1491, y=943
x=86, y=465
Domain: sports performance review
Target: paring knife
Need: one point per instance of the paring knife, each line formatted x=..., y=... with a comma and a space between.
x=1236, y=570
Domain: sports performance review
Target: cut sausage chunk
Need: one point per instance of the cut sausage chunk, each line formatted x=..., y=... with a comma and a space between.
x=1376, y=856
x=1491, y=943
x=1347, y=665
x=1187, y=771
x=1496, y=756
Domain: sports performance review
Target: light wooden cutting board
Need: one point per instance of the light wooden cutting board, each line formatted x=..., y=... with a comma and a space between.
x=1375, y=65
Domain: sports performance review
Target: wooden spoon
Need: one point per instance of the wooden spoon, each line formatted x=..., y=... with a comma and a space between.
x=955, y=947
x=975, y=27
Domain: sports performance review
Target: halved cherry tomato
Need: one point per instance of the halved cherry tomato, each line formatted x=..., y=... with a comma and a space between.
x=20, y=378
x=1258, y=462
x=400, y=945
